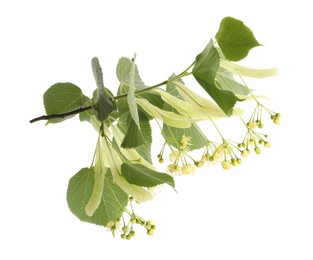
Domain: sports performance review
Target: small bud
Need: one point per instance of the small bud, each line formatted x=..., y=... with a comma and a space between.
x=276, y=121
x=234, y=162
x=123, y=236
x=161, y=160
x=245, y=153
x=200, y=163
x=226, y=164
x=257, y=150
x=239, y=160
x=267, y=144
x=150, y=232
x=251, y=124
x=147, y=226
x=125, y=229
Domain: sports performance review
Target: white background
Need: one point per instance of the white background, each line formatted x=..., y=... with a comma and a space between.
x=260, y=210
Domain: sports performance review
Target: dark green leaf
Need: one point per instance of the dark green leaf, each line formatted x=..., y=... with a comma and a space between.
x=235, y=39
x=142, y=176
x=146, y=132
x=205, y=70
x=145, y=127
x=133, y=137
x=61, y=98
x=80, y=188
x=104, y=104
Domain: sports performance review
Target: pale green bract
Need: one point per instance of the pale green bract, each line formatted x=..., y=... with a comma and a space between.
x=169, y=118
x=246, y=71
x=122, y=168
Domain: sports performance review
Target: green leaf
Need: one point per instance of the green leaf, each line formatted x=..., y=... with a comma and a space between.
x=235, y=39
x=133, y=137
x=104, y=104
x=174, y=135
x=61, y=98
x=122, y=104
x=79, y=191
x=124, y=73
x=146, y=132
x=127, y=73
x=140, y=175
x=131, y=97
x=204, y=71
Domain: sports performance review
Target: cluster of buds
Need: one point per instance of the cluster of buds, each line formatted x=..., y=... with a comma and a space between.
x=127, y=229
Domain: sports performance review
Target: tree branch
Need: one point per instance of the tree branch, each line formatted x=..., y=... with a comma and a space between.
x=82, y=109
x=74, y=112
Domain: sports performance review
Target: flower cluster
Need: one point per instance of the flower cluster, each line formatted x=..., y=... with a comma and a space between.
x=126, y=227
x=227, y=153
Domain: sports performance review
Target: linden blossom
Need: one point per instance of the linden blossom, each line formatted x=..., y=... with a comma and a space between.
x=121, y=170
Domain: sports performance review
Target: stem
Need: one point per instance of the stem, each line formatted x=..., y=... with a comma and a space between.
x=63, y=115
x=82, y=109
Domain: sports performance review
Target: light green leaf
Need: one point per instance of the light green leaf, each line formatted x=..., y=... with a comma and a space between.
x=154, y=98
x=124, y=73
x=206, y=106
x=140, y=175
x=131, y=97
x=79, y=191
x=62, y=98
x=104, y=104
x=95, y=198
x=235, y=39
x=122, y=104
x=204, y=71
x=229, y=83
